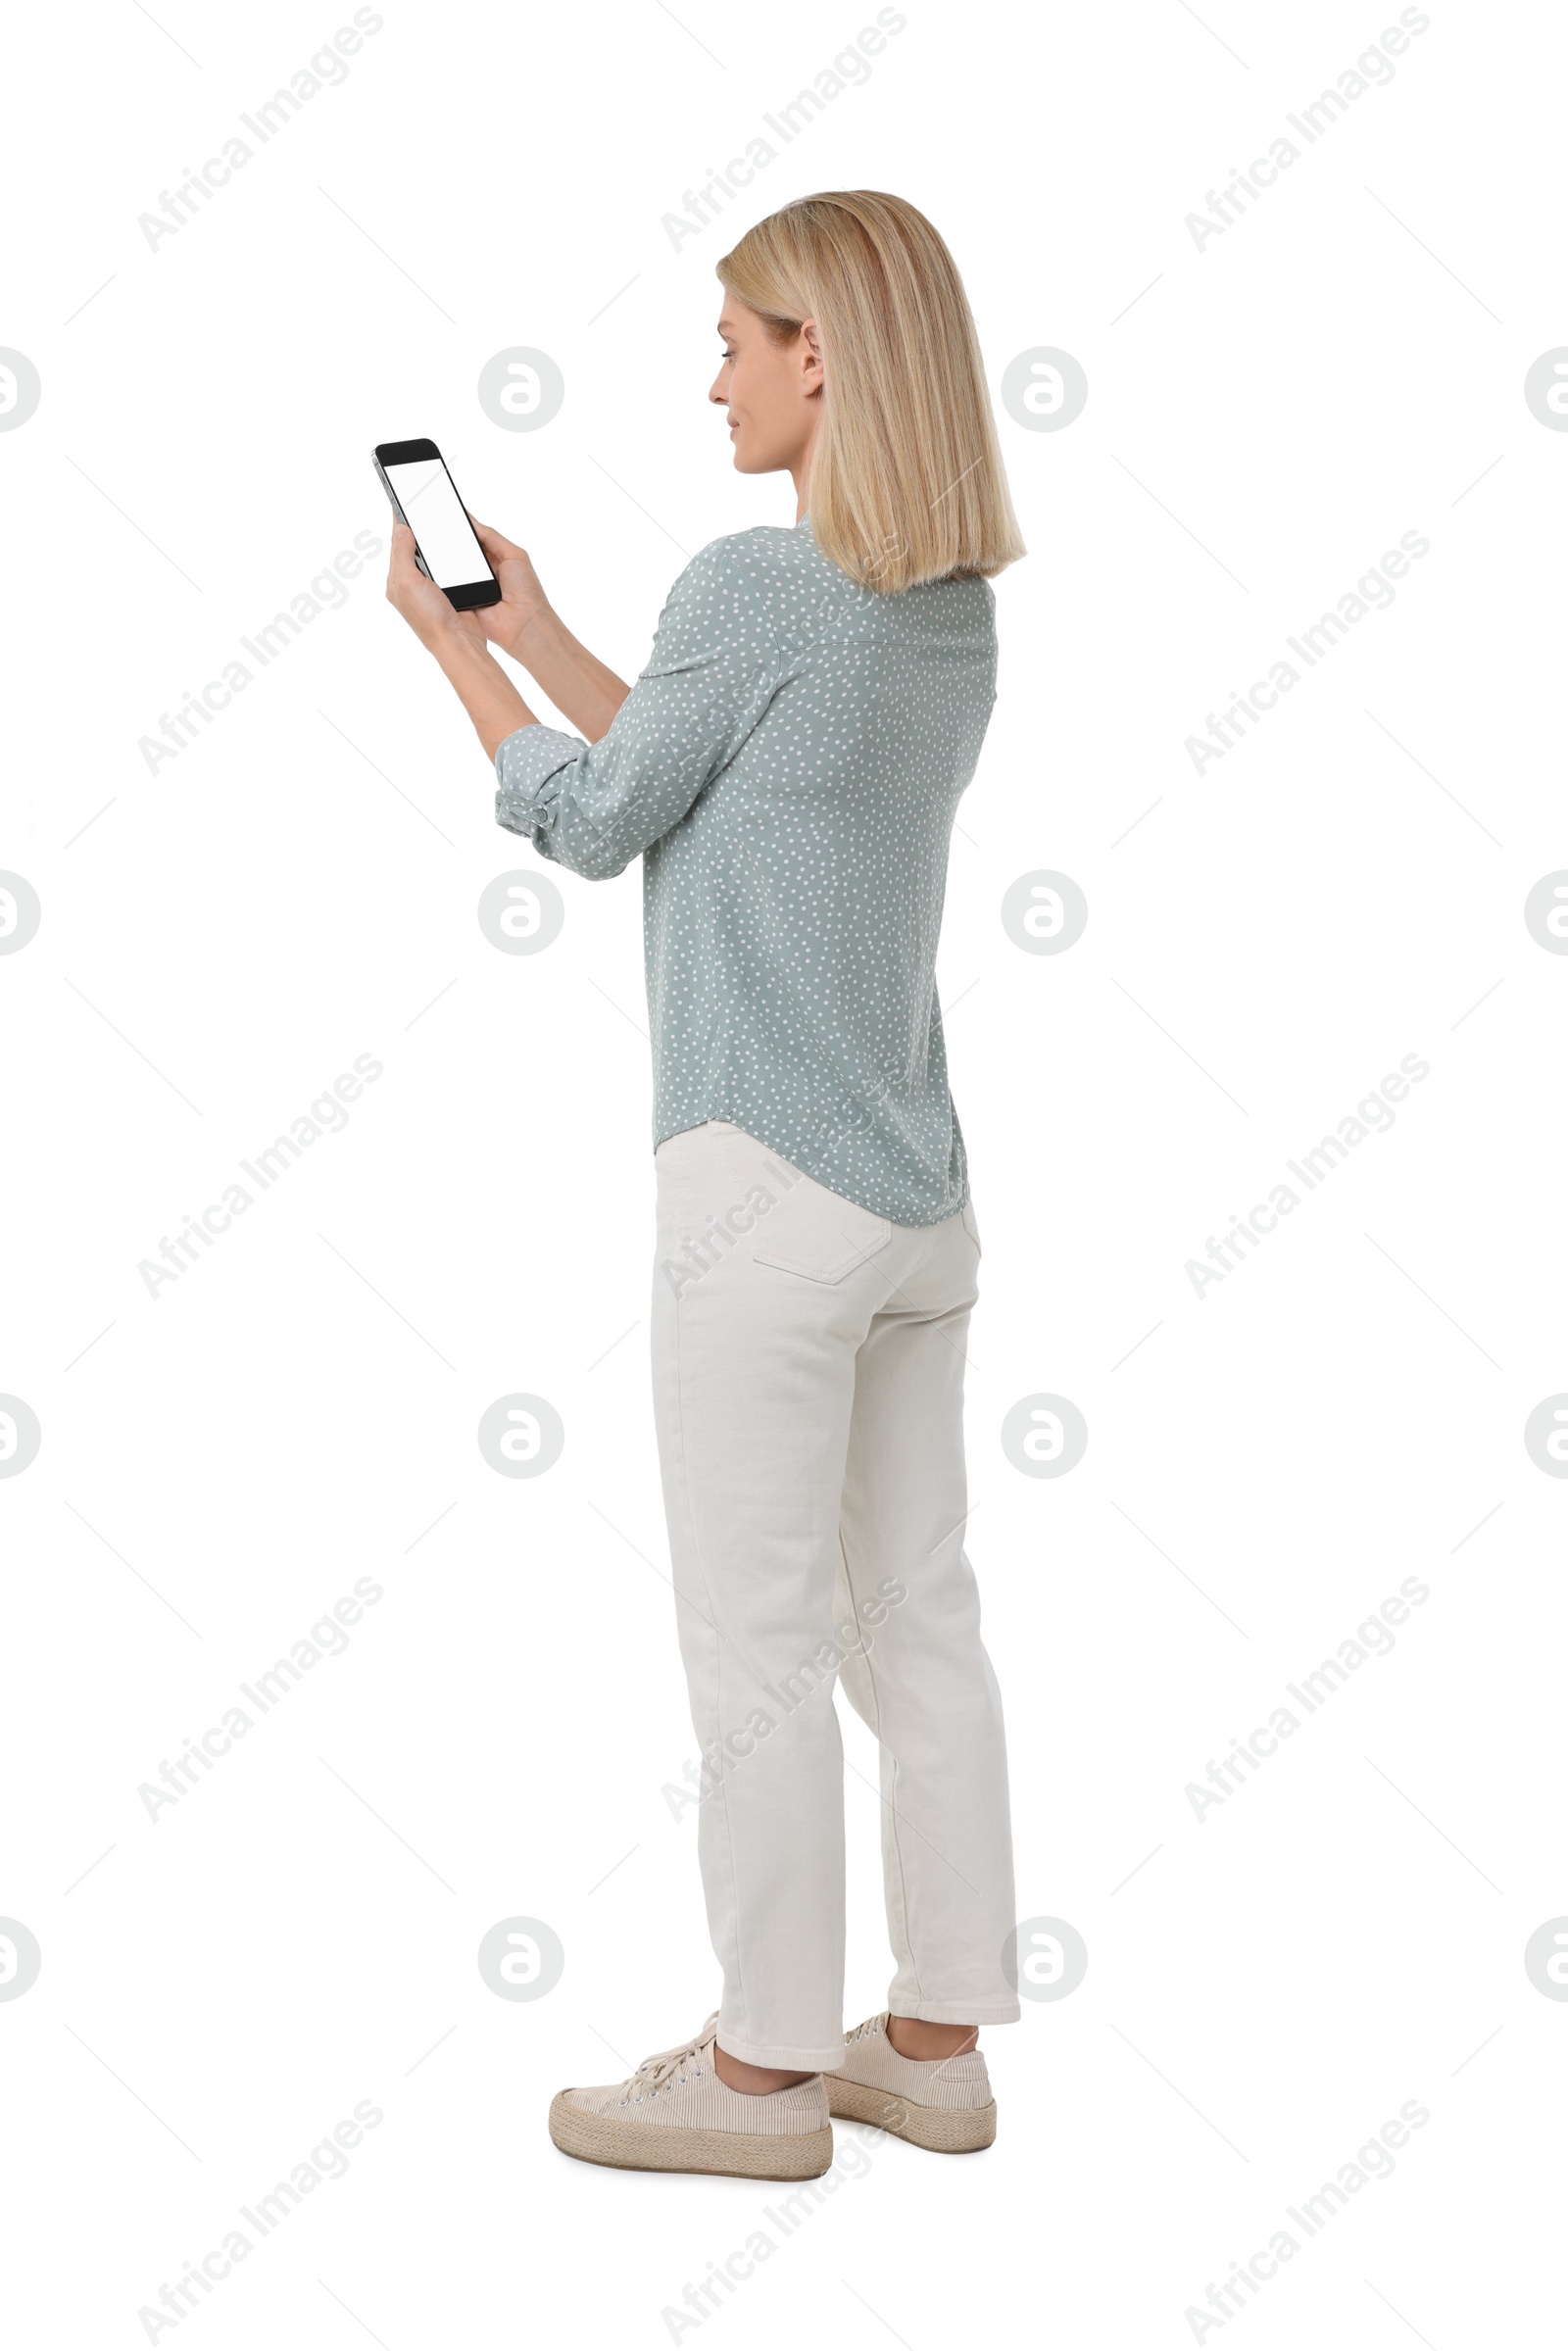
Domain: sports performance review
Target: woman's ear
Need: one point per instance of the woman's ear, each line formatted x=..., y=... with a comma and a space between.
x=810, y=357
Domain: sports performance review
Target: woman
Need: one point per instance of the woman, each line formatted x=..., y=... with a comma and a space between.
x=788, y=767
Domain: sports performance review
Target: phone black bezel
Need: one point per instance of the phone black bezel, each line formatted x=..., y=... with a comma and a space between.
x=470, y=595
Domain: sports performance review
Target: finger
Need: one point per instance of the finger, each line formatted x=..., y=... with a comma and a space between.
x=404, y=578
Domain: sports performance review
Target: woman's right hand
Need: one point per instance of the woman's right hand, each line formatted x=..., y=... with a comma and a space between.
x=524, y=601
x=526, y=625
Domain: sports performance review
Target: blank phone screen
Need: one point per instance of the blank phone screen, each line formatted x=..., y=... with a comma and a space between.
x=433, y=512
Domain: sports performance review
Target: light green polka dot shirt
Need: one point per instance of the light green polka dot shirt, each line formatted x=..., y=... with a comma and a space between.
x=788, y=767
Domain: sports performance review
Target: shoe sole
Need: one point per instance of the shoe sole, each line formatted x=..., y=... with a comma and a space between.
x=940, y=2130
x=666, y=2147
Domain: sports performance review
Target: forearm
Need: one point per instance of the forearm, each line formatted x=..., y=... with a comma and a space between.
x=579, y=686
x=484, y=690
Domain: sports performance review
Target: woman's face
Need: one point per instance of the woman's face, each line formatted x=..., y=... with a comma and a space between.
x=771, y=392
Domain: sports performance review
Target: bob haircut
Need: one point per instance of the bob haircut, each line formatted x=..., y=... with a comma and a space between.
x=907, y=482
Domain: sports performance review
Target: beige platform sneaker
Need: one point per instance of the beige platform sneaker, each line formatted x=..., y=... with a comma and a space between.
x=675, y=2115
x=942, y=2103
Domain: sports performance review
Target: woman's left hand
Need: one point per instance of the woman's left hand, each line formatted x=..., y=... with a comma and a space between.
x=458, y=643
x=427, y=608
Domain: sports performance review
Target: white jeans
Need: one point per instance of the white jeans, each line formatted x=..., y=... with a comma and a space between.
x=809, y=1393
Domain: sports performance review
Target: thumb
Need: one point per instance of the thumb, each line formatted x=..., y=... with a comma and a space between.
x=492, y=540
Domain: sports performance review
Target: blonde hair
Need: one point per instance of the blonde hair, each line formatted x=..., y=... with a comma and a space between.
x=907, y=482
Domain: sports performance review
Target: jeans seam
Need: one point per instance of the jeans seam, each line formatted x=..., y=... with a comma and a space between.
x=876, y=1725
x=719, y=1638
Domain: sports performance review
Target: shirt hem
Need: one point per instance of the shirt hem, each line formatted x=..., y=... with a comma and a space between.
x=875, y=1205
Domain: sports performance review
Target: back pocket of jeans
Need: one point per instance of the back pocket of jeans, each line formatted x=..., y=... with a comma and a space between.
x=817, y=1233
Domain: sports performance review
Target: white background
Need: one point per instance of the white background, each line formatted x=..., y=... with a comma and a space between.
x=221, y=938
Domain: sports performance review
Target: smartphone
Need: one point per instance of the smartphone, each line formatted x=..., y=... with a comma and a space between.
x=423, y=495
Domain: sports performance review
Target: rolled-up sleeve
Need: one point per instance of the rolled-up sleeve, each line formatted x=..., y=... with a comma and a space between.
x=713, y=671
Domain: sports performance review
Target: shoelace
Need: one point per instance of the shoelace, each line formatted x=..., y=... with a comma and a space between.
x=665, y=2066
